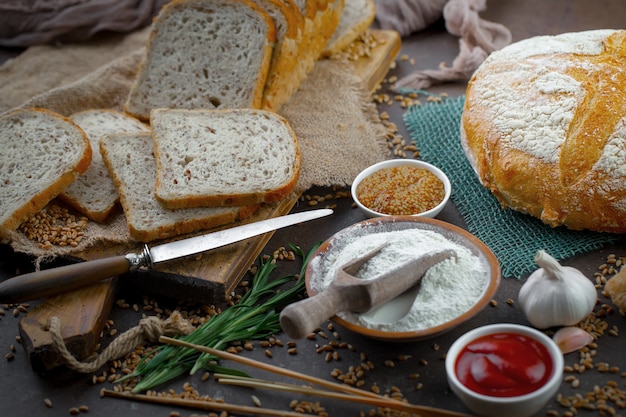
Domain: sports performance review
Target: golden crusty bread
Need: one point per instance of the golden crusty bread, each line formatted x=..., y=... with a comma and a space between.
x=42, y=153
x=204, y=54
x=544, y=127
x=356, y=17
x=282, y=80
x=223, y=158
x=129, y=157
x=615, y=288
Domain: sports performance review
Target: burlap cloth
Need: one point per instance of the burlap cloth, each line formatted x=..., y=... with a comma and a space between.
x=332, y=114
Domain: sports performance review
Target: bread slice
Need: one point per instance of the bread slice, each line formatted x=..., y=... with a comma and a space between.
x=282, y=79
x=130, y=160
x=204, y=54
x=235, y=157
x=356, y=17
x=93, y=193
x=42, y=153
x=321, y=20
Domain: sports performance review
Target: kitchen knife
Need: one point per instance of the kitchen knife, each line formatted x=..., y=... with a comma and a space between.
x=53, y=281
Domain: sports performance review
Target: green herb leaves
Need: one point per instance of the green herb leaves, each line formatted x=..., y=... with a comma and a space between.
x=254, y=317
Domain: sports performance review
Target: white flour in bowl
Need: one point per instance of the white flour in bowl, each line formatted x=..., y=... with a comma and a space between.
x=447, y=290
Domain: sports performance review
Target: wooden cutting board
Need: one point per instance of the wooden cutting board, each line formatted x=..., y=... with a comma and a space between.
x=206, y=278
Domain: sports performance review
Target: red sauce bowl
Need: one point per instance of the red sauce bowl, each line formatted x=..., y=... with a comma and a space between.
x=504, y=370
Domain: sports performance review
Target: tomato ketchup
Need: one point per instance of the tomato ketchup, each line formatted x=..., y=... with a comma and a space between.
x=504, y=365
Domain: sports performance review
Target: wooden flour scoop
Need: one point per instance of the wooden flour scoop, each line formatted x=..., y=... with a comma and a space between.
x=348, y=293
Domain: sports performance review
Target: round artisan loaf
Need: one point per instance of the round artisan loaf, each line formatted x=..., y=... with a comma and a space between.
x=544, y=126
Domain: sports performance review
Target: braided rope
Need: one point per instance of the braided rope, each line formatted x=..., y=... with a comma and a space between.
x=150, y=328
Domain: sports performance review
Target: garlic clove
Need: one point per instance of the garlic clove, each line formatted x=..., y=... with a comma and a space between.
x=571, y=338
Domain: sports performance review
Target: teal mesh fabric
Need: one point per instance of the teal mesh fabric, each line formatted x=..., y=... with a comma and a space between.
x=512, y=236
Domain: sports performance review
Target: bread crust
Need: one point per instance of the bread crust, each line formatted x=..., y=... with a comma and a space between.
x=544, y=127
x=43, y=193
x=321, y=18
x=133, y=176
x=93, y=193
x=282, y=78
x=355, y=19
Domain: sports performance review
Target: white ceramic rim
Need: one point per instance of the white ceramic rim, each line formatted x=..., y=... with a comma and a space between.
x=461, y=342
x=399, y=162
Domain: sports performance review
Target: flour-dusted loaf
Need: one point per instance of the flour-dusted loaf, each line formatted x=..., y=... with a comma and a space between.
x=544, y=126
x=130, y=160
x=93, y=193
x=42, y=153
x=204, y=54
x=235, y=157
x=356, y=17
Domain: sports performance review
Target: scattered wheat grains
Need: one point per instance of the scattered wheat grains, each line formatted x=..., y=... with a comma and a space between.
x=607, y=399
x=54, y=226
x=196, y=315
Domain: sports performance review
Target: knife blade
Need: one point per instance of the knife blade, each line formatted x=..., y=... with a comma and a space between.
x=40, y=284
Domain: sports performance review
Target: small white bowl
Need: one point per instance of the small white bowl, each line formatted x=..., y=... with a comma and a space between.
x=402, y=162
x=517, y=406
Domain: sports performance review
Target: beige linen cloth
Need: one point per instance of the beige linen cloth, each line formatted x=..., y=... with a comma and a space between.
x=36, y=22
x=477, y=37
x=332, y=114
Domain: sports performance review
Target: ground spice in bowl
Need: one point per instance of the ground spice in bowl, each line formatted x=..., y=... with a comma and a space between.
x=401, y=187
x=404, y=189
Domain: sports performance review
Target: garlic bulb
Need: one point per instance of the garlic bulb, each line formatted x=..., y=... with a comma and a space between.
x=556, y=295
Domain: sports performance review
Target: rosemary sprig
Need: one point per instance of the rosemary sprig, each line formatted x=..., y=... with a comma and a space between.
x=255, y=316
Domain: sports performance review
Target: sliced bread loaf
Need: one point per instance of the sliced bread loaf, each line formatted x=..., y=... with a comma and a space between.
x=233, y=157
x=42, y=153
x=282, y=80
x=93, y=193
x=356, y=17
x=204, y=54
x=321, y=18
x=129, y=158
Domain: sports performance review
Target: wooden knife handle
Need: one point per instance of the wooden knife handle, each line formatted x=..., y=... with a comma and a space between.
x=53, y=281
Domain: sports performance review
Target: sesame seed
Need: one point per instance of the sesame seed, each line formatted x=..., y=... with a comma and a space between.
x=401, y=190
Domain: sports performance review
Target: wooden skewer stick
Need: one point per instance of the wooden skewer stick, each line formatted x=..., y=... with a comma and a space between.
x=256, y=383
x=202, y=405
x=267, y=367
x=423, y=411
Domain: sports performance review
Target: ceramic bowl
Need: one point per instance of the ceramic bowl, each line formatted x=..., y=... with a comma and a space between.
x=402, y=162
x=315, y=273
x=516, y=406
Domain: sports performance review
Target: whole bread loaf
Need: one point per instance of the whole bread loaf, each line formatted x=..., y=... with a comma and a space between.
x=204, y=54
x=93, y=193
x=42, y=153
x=212, y=158
x=130, y=160
x=544, y=126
